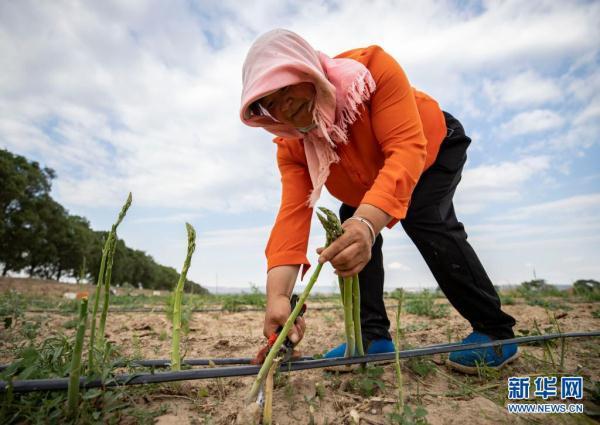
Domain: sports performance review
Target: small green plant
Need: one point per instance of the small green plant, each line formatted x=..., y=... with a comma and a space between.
x=320, y=390
x=553, y=327
x=487, y=373
x=70, y=324
x=537, y=300
x=237, y=302
x=409, y=416
x=399, y=380
x=175, y=355
x=507, y=299
x=546, y=344
x=136, y=347
x=367, y=382
x=589, y=289
x=536, y=288
x=425, y=306
x=593, y=388
x=73, y=391
x=12, y=306
x=562, y=342
x=415, y=327
x=535, y=285
x=397, y=294
x=104, y=282
x=421, y=366
x=30, y=330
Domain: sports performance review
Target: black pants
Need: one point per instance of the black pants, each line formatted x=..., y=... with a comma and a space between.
x=442, y=241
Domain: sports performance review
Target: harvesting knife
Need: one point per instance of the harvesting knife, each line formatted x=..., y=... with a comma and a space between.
x=285, y=352
x=287, y=348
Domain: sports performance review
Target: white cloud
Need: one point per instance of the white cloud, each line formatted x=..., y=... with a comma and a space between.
x=173, y=218
x=534, y=121
x=492, y=183
x=522, y=90
x=590, y=113
x=575, y=208
x=558, y=238
x=584, y=87
x=235, y=237
x=396, y=265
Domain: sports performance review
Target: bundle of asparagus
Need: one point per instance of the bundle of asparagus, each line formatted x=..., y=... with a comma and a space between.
x=349, y=289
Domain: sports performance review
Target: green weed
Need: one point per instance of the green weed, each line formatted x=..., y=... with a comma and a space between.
x=70, y=324
x=421, y=366
x=334, y=379
x=415, y=327
x=29, y=330
x=539, y=286
x=589, y=289
x=409, y=416
x=507, y=299
x=487, y=373
x=12, y=306
x=367, y=382
x=52, y=359
x=551, y=305
x=426, y=306
x=237, y=302
x=163, y=335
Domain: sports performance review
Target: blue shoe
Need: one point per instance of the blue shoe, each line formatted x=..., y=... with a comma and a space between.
x=375, y=347
x=467, y=361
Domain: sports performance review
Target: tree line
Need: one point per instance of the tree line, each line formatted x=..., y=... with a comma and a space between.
x=38, y=236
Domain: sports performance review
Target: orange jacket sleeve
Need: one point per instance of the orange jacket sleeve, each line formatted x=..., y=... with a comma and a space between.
x=288, y=241
x=397, y=127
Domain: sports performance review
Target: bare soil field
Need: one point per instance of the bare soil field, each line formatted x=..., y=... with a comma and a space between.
x=329, y=397
x=53, y=289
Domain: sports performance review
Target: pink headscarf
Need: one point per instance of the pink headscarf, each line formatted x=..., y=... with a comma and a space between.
x=281, y=58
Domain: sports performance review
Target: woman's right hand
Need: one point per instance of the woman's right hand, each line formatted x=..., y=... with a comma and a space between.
x=277, y=313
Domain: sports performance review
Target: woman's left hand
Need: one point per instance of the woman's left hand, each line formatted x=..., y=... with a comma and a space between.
x=351, y=252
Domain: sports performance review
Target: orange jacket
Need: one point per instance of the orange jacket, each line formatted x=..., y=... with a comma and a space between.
x=396, y=138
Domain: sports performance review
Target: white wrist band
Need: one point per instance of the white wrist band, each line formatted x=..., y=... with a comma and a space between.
x=368, y=223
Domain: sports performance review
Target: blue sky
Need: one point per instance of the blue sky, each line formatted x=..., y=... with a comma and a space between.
x=144, y=97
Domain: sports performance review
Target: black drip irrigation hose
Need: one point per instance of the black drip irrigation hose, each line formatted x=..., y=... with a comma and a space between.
x=163, y=363
x=226, y=372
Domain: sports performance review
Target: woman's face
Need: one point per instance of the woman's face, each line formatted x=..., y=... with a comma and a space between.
x=291, y=105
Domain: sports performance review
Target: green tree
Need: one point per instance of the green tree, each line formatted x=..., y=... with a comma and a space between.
x=72, y=246
x=46, y=236
x=25, y=188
